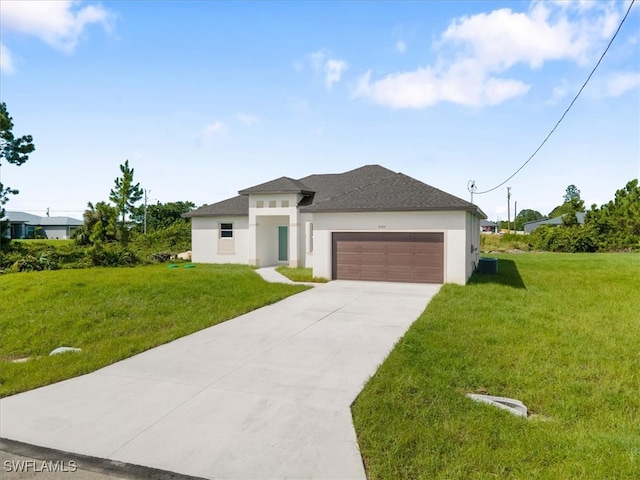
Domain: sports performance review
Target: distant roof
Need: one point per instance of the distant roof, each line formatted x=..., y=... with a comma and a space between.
x=29, y=219
x=555, y=220
x=487, y=223
x=369, y=188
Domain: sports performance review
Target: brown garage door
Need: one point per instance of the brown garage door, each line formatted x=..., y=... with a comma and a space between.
x=389, y=256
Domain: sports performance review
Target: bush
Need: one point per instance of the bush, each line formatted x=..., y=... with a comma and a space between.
x=31, y=263
x=562, y=238
x=112, y=256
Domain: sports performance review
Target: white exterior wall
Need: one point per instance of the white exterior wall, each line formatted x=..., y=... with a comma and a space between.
x=305, y=244
x=473, y=240
x=453, y=224
x=53, y=232
x=263, y=232
x=205, y=236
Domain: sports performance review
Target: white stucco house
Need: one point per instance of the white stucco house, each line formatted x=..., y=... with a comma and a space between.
x=25, y=225
x=370, y=223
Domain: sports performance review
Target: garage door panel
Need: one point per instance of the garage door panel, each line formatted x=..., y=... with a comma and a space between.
x=428, y=275
x=395, y=274
x=428, y=248
x=349, y=247
x=389, y=256
x=401, y=260
x=373, y=259
x=350, y=272
x=373, y=273
x=397, y=248
x=349, y=259
x=373, y=247
x=429, y=260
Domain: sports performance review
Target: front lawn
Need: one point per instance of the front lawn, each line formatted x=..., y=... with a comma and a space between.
x=114, y=313
x=300, y=274
x=560, y=332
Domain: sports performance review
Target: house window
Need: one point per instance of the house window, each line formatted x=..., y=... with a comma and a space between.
x=226, y=230
x=259, y=203
x=284, y=203
x=272, y=204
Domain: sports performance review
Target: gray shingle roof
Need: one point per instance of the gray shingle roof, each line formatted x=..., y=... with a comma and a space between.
x=397, y=192
x=58, y=221
x=279, y=185
x=235, y=206
x=27, y=218
x=370, y=188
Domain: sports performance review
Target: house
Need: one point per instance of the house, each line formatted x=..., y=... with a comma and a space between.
x=488, y=227
x=370, y=223
x=531, y=226
x=26, y=225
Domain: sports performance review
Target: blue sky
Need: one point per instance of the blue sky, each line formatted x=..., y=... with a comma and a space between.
x=207, y=98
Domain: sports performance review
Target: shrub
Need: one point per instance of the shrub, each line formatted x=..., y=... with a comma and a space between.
x=562, y=238
x=112, y=256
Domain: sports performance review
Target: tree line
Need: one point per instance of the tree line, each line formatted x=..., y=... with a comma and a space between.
x=122, y=220
x=614, y=226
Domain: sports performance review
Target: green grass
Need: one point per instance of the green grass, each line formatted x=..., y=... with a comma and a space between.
x=490, y=242
x=113, y=313
x=300, y=274
x=559, y=332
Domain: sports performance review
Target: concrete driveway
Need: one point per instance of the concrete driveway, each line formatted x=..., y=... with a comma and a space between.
x=263, y=396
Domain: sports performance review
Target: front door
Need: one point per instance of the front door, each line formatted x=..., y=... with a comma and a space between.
x=283, y=243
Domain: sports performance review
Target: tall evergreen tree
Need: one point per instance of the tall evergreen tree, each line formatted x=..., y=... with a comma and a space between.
x=125, y=195
x=12, y=150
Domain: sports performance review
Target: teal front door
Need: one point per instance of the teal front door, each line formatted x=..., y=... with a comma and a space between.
x=283, y=243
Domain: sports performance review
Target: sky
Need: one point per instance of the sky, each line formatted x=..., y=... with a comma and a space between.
x=207, y=98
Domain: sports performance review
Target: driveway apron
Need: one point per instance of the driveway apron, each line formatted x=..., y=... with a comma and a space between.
x=266, y=395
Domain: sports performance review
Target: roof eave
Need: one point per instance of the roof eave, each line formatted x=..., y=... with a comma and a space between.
x=248, y=191
x=204, y=214
x=471, y=209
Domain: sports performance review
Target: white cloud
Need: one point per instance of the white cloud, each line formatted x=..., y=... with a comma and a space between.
x=476, y=52
x=247, y=118
x=401, y=46
x=331, y=68
x=61, y=24
x=620, y=83
x=425, y=87
x=6, y=60
x=333, y=71
x=213, y=130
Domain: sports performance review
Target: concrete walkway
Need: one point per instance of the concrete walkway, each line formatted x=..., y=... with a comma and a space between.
x=262, y=396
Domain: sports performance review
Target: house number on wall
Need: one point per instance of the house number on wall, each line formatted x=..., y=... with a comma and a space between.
x=382, y=226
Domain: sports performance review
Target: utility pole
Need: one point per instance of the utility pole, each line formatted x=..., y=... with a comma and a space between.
x=515, y=215
x=509, y=209
x=145, y=210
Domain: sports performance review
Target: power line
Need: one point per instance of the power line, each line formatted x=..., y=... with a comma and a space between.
x=566, y=111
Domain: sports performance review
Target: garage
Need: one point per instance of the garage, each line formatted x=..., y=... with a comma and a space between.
x=415, y=257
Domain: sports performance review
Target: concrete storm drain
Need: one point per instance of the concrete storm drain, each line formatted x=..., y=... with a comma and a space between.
x=516, y=407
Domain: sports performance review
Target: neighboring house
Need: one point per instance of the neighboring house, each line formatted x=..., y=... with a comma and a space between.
x=366, y=224
x=488, y=227
x=25, y=225
x=531, y=226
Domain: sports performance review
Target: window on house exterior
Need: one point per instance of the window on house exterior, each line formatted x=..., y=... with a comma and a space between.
x=284, y=203
x=272, y=204
x=259, y=203
x=226, y=230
